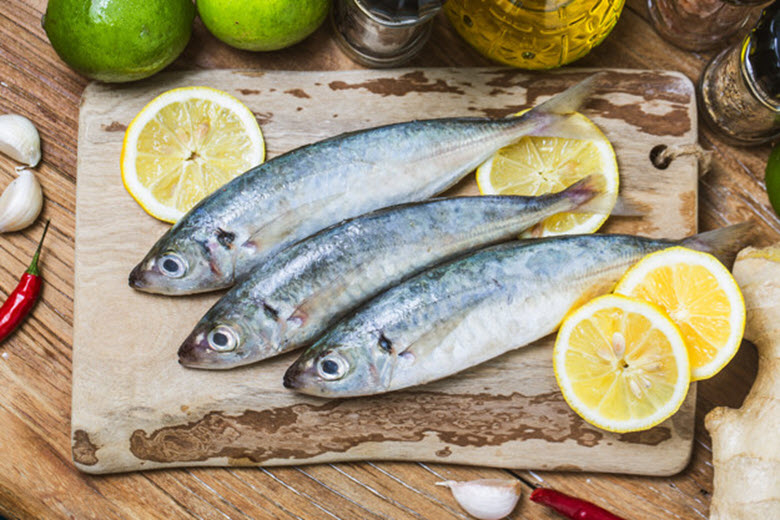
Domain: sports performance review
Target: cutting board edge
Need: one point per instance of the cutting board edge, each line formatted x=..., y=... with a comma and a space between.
x=663, y=469
x=77, y=275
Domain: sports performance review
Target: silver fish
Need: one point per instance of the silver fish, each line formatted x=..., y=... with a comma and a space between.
x=472, y=309
x=292, y=298
x=308, y=189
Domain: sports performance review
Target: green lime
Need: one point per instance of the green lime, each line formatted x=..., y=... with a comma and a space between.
x=772, y=179
x=265, y=25
x=118, y=40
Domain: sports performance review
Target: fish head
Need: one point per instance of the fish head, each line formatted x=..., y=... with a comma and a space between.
x=187, y=259
x=229, y=336
x=343, y=368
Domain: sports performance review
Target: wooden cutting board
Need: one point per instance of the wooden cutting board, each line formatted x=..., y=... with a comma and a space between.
x=135, y=408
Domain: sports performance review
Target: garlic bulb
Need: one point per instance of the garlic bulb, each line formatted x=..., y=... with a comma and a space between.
x=486, y=499
x=19, y=139
x=20, y=203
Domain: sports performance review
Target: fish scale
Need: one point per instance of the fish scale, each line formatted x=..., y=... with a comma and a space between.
x=308, y=189
x=291, y=300
x=464, y=312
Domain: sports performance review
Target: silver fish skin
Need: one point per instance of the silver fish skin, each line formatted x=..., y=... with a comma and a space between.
x=308, y=189
x=472, y=309
x=292, y=298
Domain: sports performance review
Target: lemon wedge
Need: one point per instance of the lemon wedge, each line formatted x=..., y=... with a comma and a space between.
x=185, y=144
x=539, y=165
x=621, y=364
x=699, y=294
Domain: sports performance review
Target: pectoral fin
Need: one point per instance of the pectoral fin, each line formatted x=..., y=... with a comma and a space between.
x=291, y=225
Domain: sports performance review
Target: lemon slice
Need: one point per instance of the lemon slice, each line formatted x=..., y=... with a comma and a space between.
x=539, y=165
x=185, y=144
x=621, y=364
x=700, y=296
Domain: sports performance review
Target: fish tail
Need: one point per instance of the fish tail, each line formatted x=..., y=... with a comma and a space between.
x=590, y=195
x=723, y=243
x=585, y=193
x=571, y=99
x=553, y=117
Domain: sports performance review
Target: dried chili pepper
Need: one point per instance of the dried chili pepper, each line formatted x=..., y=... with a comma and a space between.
x=571, y=507
x=23, y=298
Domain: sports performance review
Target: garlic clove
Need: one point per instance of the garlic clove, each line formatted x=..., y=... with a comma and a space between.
x=486, y=499
x=20, y=203
x=19, y=139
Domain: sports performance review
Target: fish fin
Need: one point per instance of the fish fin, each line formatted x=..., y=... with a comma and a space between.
x=571, y=99
x=723, y=243
x=433, y=337
x=589, y=195
x=327, y=293
x=277, y=232
x=553, y=118
x=585, y=193
x=566, y=127
x=628, y=208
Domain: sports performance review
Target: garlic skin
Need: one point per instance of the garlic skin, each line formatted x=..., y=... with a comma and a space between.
x=20, y=203
x=486, y=499
x=19, y=139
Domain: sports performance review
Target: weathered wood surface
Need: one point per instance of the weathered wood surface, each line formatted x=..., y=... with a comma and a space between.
x=135, y=407
x=37, y=477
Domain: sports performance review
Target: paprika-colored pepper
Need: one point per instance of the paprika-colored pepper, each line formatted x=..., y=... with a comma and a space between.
x=21, y=301
x=571, y=507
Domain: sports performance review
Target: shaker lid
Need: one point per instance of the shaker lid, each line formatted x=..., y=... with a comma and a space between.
x=764, y=54
x=400, y=11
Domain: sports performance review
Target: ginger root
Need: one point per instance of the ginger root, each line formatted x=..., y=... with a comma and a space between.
x=746, y=441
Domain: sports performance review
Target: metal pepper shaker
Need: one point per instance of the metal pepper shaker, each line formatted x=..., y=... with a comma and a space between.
x=702, y=24
x=739, y=90
x=383, y=33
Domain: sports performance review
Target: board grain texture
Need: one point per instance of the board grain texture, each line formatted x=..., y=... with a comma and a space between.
x=135, y=407
x=37, y=476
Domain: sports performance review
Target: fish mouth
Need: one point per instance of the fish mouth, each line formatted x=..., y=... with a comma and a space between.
x=136, y=279
x=292, y=379
x=192, y=350
x=145, y=278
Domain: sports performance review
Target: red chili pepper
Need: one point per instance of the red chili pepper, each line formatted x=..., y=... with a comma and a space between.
x=21, y=300
x=571, y=507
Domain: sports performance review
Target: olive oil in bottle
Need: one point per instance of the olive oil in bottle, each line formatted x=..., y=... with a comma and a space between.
x=534, y=34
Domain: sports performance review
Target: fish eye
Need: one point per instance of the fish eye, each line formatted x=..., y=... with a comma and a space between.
x=332, y=367
x=222, y=339
x=172, y=265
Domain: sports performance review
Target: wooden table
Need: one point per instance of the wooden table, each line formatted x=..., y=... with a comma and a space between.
x=37, y=477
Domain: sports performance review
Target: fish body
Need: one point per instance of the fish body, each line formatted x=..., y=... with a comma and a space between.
x=308, y=189
x=467, y=311
x=292, y=298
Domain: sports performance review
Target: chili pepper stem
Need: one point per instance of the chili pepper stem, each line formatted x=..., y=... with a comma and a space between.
x=33, y=269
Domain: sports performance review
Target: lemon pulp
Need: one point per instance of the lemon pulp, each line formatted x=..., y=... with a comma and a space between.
x=699, y=294
x=539, y=165
x=621, y=364
x=186, y=144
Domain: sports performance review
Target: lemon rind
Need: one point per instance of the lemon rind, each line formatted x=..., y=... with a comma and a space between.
x=140, y=193
x=663, y=323
x=637, y=273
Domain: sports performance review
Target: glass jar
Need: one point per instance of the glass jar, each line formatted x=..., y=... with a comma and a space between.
x=380, y=33
x=702, y=24
x=739, y=90
x=533, y=34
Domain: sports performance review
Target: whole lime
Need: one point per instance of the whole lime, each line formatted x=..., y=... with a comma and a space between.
x=262, y=25
x=118, y=40
x=772, y=179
